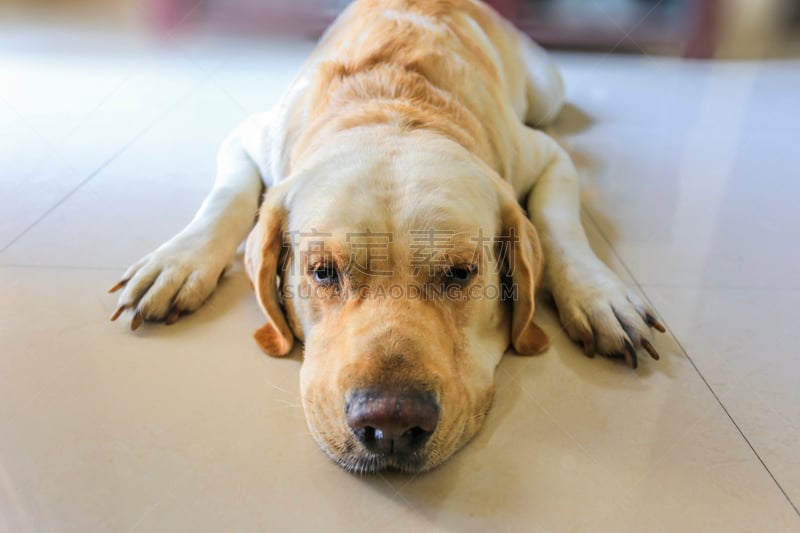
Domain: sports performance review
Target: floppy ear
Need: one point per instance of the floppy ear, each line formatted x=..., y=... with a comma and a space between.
x=262, y=259
x=525, y=264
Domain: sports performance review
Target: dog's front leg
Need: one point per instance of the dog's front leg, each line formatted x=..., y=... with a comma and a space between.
x=182, y=273
x=595, y=307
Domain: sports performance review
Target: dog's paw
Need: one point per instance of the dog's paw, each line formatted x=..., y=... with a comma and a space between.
x=600, y=312
x=175, y=279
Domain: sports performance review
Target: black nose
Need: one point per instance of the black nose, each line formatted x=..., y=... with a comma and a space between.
x=392, y=422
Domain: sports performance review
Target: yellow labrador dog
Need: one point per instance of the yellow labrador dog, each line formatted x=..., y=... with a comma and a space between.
x=391, y=239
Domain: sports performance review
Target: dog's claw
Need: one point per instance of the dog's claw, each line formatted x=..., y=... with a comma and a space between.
x=630, y=355
x=654, y=323
x=173, y=316
x=649, y=347
x=137, y=321
x=588, y=343
x=118, y=312
x=120, y=284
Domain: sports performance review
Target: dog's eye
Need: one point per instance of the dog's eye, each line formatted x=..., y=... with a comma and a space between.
x=325, y=274
x=459, y=274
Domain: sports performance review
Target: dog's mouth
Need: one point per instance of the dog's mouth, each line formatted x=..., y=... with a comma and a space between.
x=371, y=463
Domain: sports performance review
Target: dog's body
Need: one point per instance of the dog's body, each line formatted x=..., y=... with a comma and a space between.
x=394, y=166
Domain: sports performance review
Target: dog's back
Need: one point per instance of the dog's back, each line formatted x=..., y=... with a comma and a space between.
x=452, y=66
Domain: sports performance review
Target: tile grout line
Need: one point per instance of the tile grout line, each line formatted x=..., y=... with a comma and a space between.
x=733, y=421
x=691, y=361
x=104, y=165
x=69, y=194
x=75, y=189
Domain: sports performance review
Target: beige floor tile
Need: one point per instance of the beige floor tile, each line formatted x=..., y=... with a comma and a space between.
x=709, y=481
x=143, y=197
x=101, y=102
x=64, y=116
x=152, y=189
x=698, y=179
x=741, y=341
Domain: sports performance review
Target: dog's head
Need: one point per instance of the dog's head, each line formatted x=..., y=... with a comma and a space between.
x=406, y=268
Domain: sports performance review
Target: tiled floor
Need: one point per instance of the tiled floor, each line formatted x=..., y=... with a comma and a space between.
x=690, y=193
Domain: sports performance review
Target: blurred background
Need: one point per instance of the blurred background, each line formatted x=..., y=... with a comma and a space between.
x=689, y=28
